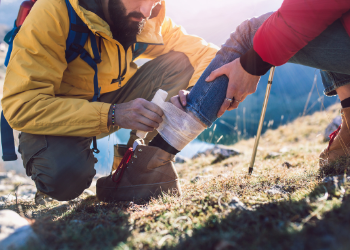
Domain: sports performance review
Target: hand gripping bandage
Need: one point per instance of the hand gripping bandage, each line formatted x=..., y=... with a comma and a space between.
x=178, y=127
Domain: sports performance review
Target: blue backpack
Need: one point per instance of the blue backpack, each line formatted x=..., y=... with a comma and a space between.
x=77, y=37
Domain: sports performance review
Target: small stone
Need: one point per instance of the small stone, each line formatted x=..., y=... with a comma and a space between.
x=4, y=188
x=26, y=190
x=220, y=151
x=235, y=203
x=222, y=176
x=332, y=182
x=207, y=170
x=287, y=165
x=272, y=155
x=8, y=198
x=42, y=199
x=284, y=150
x=277, y=189
x=15, y=231
x=88, y=192
x=5, y=175
x=200, y=178
x=181, y=159
x=230, y=164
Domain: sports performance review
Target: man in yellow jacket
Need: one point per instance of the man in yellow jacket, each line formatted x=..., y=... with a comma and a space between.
x=49, y=101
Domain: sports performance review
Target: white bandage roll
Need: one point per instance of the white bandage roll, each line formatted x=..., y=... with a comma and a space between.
x=158, y=99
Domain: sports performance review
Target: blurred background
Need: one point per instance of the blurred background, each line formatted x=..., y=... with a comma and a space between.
x=297, y=90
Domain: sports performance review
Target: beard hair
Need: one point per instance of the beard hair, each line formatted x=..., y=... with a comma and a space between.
x=123, y=30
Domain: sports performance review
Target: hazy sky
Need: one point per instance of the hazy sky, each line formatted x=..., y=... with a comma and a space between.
x=211, y=19
x=216, y=19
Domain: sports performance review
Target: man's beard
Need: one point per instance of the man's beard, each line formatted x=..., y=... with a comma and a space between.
x=123, y=29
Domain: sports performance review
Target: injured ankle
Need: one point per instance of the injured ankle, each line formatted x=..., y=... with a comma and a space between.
x=178, y=127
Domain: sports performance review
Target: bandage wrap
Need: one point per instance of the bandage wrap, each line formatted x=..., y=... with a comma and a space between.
x=178, y=128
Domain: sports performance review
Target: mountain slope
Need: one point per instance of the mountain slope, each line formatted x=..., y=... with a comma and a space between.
x=283, y=205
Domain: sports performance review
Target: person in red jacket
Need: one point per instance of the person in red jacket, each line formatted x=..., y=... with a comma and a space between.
x=314, y=33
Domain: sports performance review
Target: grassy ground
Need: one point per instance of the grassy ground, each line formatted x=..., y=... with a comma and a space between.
x=283, y=205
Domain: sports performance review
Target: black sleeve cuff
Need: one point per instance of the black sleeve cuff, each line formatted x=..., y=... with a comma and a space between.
x=253, y=64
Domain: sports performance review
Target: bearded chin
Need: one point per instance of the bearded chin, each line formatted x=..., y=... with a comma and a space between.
x=123, y=30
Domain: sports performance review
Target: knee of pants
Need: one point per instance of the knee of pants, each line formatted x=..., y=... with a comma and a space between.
x=65, y=181
x=61, y=167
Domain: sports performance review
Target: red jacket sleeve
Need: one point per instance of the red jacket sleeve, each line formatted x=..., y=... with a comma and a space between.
x=294, y=25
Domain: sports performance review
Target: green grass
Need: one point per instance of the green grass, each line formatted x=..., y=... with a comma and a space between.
x=307, y=214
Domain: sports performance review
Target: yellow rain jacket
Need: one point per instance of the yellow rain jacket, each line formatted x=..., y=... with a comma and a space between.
x=44, y=95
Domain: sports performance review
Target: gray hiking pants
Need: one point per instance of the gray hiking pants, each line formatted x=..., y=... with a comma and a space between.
x=62, y=167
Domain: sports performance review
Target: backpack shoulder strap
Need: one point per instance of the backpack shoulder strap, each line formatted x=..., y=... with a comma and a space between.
x=77, y=36
x=138, y=50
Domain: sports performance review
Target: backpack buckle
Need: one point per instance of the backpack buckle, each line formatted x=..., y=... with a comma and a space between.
x=77, y=48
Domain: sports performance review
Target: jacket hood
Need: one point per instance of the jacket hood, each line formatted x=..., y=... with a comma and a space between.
x=150, y=34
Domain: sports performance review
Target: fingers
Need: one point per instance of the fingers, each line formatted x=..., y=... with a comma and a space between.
x=225, y=105
x=183, y=97
x=176, y=101
x=152, y=116
x=148, y=123
x=233, y=106
x=216, y=73
x=152, y=107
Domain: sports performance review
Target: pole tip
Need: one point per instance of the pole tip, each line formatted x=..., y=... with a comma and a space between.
x=250, y=170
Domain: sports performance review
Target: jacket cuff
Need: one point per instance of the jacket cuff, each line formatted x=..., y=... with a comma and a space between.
x=104, y=117
x=253, y=64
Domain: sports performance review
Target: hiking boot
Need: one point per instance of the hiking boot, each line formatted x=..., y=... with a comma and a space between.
x=119, y=152
x=339, y=144
x=143, y=173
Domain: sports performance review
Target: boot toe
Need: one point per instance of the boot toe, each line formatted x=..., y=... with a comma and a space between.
x=104, y=186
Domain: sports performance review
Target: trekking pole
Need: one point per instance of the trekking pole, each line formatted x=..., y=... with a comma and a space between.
x=262, y=117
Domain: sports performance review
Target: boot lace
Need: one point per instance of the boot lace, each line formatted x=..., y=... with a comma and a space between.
x=122, y=165
x=332, y=136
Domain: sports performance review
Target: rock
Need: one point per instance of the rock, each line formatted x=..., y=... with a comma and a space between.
x=272, y=155
x=4, y=175
x=42, y=199
x=200, y=178
x=26, y=190
x=15, y=231
x=7, y=198
x=284, y=150
x=220, y=151
x=222, y=176
x=224, y=151
x=287, y=165
x=181, y=159
x=88, y=192
x=6, y=188
x=230, y=164
x=331, y=127
x=235, y=203
x=207, y=170
x=334, y=182
x=277, y=189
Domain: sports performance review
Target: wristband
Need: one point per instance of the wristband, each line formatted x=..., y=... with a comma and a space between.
x=113, y=114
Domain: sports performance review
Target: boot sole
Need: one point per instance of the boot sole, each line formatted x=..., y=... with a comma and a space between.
x=137, y=192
